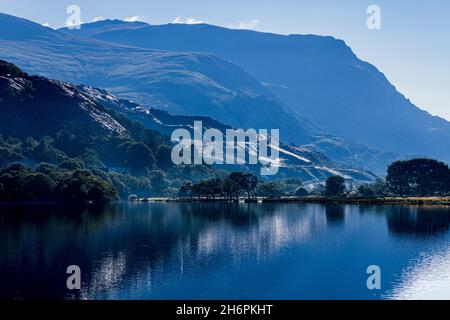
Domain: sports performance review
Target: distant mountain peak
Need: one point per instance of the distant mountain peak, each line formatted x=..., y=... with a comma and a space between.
x=317, y=77
x=13, y=28
x=198, y=72
x=114, y=23
x=105, y=26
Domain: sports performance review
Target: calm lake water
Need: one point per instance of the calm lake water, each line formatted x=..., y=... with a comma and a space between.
x=220, y=251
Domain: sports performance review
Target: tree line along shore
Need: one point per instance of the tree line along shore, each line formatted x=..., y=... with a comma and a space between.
x=414, y=182
x=445, y=201
x=417, y=181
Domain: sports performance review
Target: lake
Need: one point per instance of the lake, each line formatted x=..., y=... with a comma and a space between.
x=224, y=251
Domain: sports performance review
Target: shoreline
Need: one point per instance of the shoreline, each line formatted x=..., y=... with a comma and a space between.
x=318, y=200
x=421, y=201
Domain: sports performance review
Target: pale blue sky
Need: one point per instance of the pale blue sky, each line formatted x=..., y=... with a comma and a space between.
x=412, y=48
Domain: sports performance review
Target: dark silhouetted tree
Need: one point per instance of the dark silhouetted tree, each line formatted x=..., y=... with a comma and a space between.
x=335, y=187
x=247, y=182
x=39, y=187
x=71, y=164
x=230, y=188
x=301, y=192
x=164, y=156
x=138, y=157
x=419, y=177
x=186, y=190
x=269, y=190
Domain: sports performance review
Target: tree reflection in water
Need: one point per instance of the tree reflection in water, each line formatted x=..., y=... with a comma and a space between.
x=130, y=251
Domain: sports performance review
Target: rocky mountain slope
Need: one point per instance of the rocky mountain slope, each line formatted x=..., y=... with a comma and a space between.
x=317, y=77
x=184, y=83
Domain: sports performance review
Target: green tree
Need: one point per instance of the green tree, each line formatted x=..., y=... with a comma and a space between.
x=159, y=182
x=269, y=190
x=46, y=152
x=164, y=156
x=100, y=191
x=71, y=165
x=247, y=182
x=12, y=186
x=366, y=191
x=91, y=158
x=38, y=187
x=203, y=189
x=83, y=186
x=186, y=190
x=138, y=157
x=46, y=168
x=230, y=188
x=127, y=184
x=419, y=177
x=67, y=142
x=8, y=155
x=335, y=187
x=215, y=187
x=301, y=192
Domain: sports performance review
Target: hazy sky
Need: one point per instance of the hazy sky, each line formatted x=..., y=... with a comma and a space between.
x=412, y=48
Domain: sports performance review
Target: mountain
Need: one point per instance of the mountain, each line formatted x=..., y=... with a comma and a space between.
x=181, y=83
x=34, y=106
x=317, y=77
x=305, y=163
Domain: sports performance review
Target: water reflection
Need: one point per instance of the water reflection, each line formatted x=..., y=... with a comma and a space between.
x=192, y=251
x=426, y=278
x=335, y=213
x=418, y=221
